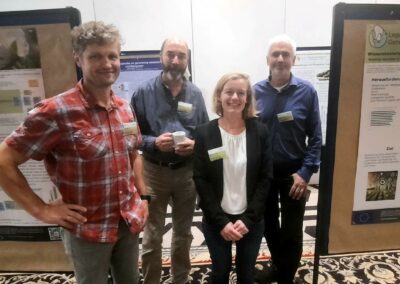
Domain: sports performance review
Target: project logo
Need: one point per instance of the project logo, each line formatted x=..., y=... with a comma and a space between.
x=377, y=37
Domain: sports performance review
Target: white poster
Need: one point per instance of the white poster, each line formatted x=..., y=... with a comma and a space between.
x=313, y=66
x=21, y=87
x=377, y=197
x=136, y=67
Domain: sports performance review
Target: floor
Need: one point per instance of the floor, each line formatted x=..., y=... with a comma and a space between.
x=379, y=268
x=199, y=251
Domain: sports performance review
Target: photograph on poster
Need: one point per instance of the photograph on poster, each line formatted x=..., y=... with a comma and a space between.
x=381, y=185
x=20, y=70
x=323, y=76
x=19, y=49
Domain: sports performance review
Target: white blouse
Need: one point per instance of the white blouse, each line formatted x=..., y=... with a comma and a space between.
x=234, y=200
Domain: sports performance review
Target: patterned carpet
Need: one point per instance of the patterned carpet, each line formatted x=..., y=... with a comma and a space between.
x=374, y=268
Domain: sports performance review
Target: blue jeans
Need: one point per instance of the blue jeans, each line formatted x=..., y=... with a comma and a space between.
x=92, y=261
x=221, y=253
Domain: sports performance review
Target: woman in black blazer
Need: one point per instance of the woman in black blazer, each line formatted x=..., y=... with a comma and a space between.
x=232, y=173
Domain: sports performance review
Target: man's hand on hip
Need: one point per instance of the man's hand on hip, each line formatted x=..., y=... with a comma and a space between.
x=65, y=215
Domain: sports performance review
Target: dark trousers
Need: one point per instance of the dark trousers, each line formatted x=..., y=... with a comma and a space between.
x=221, y=254
x=285, y=241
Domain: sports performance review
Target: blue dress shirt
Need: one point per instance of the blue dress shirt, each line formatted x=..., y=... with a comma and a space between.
x=296, y=135
x=157, y=112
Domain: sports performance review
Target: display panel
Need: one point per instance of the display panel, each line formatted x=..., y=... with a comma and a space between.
x=312, y=64
x=36, y=62
x=355, y=135
x=136, y=68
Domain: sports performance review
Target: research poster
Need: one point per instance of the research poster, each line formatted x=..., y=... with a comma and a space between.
x=313, y=65
x=376, y=195
x=21, y=87
x=136, y=68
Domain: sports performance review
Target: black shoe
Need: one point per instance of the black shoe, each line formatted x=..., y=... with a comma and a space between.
x=268, y=275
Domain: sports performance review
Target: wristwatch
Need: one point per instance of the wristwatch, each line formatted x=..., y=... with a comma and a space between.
x=146, y=197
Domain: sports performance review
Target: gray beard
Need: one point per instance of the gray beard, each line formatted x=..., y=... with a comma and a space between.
x=173, y=75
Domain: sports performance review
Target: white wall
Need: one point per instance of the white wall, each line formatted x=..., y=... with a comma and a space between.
x=224, y=35
x=232, y=36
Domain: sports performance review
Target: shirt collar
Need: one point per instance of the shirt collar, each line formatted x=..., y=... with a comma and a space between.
x=88, y=100
x=184, y=83
x=292, y=82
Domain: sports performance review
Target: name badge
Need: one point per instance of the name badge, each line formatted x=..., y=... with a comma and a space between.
x=130, y=128
x=217, y=154
x=285, y=116
x=185, y=107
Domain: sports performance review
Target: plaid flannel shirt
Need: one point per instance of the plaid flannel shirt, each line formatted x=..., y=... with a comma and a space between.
x=87, y=151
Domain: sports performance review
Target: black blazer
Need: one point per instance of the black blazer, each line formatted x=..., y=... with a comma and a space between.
x=208, y=175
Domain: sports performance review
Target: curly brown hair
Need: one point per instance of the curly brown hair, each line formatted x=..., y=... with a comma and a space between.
x=93, y=32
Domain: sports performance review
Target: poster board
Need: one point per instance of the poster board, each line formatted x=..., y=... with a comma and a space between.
x=36, y=62
x=312, y=64
x=138, y=66
x=346, y=143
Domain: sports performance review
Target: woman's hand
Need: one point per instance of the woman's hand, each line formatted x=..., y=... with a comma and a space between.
x=241, y=227
x=229, y=233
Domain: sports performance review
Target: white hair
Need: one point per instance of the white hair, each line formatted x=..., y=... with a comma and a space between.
x=282, y=38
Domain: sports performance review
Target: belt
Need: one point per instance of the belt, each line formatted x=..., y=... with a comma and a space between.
x=172, y=166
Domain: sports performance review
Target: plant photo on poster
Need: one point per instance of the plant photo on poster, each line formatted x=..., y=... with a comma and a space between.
x=381, y=185
x=19, y=49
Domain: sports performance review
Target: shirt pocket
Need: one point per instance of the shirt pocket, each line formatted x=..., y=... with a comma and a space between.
x=90, y=143
x=187, y=120
x=131, y=142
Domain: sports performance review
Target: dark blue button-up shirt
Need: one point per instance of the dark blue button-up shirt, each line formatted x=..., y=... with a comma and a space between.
x=298, y=140
x=157, y=112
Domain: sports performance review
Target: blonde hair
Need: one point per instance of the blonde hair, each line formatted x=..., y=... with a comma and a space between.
x=249, y=109
x=93, y=32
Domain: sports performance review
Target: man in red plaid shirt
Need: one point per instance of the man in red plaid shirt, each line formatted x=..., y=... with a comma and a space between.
x=88, y=139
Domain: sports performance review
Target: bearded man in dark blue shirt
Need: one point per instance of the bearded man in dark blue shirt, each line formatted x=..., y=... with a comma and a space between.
x=289, y=106
x=163, y=105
